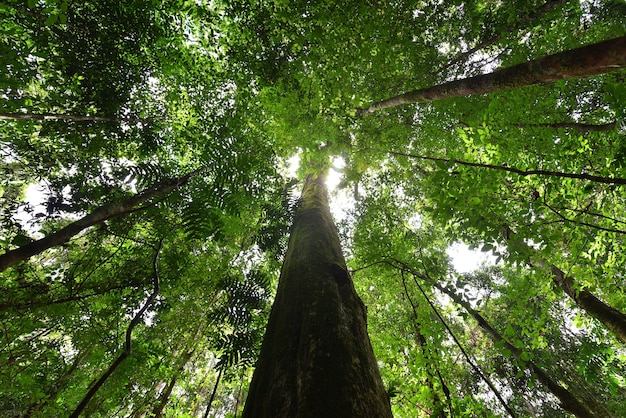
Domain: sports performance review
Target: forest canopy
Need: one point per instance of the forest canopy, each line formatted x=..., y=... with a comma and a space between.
x=147, y=193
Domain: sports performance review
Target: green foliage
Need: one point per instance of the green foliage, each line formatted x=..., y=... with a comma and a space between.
x=103, y=99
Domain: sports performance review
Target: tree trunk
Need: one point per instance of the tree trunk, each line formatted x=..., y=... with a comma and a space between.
x=316, y=359
x=599, y=58
x=212, y=398
x=568, y=400
x=611, y=318
x=101, y=214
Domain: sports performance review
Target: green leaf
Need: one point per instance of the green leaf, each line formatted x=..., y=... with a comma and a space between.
x=486, y=248
x=21, y=240
x=51, y=20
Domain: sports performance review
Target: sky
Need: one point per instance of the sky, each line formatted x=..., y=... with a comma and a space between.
x=463, y=258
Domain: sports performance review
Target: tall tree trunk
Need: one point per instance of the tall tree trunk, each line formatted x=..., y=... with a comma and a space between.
x=316, y=359
x=164, y=397
x=212, y=398
x=568, y=400
x=588, y=60
x=99, y=215
x=611, y=318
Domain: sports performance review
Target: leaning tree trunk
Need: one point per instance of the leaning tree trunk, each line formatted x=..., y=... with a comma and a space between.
x=569, y=401
x=316, y=359
x=99, y=215
x=599, y=58
x=611, y=318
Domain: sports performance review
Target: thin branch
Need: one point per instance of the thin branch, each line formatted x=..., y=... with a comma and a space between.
x=566, y=219
x=581, y=127
x=467, y=357
x=540, y=12
x=568, y=400
x=523, y=173
x=128, y=341
x=404, y=268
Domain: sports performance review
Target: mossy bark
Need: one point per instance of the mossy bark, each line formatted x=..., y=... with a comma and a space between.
x=316, y=359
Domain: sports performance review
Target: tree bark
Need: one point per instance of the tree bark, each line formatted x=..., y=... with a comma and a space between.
x=101, y=214
x=602, y=57
x=611, y=318
x=568, y=400
x=316, y=359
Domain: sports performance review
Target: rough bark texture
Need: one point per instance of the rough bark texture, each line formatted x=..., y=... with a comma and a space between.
x=316, y=359
x=611, y=318
x=588, y=60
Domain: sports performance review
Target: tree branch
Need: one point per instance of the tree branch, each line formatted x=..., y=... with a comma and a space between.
x=128, y=343
x=523, y=173
x=99, y=215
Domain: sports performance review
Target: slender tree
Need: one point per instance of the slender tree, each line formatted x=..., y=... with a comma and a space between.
x=568, y=400
x=316, y=359
x=100, y=214
x=128, y=347
x=588, y=60
x=611, y=318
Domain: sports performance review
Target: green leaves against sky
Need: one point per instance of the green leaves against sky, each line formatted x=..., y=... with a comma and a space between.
x=105, y=99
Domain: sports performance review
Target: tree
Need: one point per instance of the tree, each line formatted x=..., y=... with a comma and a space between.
x=316, y=358
x=584, y=61
x=104, y=99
